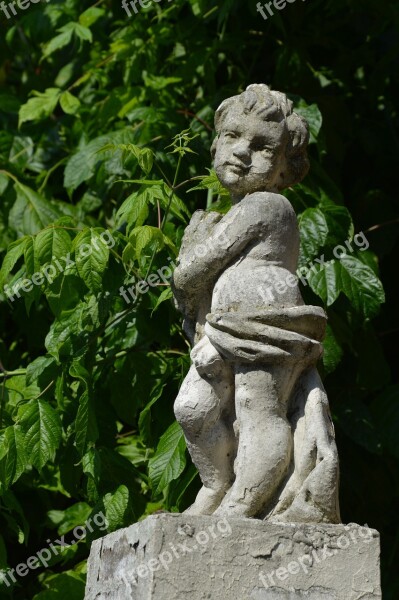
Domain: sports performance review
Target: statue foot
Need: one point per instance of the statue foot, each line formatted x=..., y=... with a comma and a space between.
x=206, y=502
x=232, y=508
x=302, y=510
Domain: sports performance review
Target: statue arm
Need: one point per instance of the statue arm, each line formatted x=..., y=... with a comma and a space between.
x=226, y=240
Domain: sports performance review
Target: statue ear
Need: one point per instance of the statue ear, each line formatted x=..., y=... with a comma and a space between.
x=296, y=156
x=299, y=133
x=213, y=147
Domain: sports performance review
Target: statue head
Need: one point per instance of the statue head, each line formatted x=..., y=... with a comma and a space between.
x=261, y=143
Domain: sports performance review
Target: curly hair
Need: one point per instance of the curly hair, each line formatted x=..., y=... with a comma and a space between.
x=273, y=106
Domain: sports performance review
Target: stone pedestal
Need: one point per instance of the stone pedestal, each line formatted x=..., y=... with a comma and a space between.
x=181, y=557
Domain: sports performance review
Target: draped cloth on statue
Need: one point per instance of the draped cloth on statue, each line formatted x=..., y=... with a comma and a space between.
x=273, y=335
x=284, y=336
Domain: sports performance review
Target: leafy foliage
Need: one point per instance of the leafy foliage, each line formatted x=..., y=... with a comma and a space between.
x=105, y=123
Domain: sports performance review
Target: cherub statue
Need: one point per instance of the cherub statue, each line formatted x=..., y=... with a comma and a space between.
x=253, y=409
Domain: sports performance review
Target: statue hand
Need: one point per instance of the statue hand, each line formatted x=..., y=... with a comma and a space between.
x=199, y=228
x=206, y=358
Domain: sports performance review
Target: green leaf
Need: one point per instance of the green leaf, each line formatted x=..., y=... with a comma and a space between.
x=144, y=156
x=177, y=493
x=86, y=430
x=31, y=212
x=152, y=194
x=361, y=286
x=58, y=42
x=13, y=458
x=146, y=238
x=82, y=165
x=14, y=253
x=83, y=32
x=69, y=335
x=90, y=16
x=157, y=82
x=31, y=263
x=339, y=221
x=166, y=295
x=65, y=292
x=18, y=390
x=91, y=465
x=36, y=368
x=175, y=205
x=314, y=118
x=65, y=37
x=134, y=450
x=21, y=152
x=352, y=277
x=313, y=230
x=145, y=159
x=42, y=431
x=52, y=243
x=325, y=281
x=67, y=519
x=169, y=460
x=69, y=103
x=145, y=415
x=118, y=509
x=13, y=514
x=134, y=211
x=63, y=586
x=92, y=255
x=117, y=470
x=211, y=182
x=40, y=107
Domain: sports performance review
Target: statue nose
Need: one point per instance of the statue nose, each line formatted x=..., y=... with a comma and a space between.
x=241, y=150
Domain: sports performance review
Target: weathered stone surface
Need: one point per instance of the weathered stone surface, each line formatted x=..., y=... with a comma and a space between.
x=185, y=557
x=253, y=409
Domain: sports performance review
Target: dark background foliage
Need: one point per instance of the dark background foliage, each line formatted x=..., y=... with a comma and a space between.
x=87, y=380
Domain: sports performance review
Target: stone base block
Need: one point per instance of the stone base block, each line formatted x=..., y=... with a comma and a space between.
x=179, y=557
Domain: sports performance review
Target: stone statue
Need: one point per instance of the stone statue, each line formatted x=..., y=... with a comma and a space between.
x=253, y=409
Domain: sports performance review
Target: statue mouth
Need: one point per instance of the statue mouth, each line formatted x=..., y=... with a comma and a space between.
x=238, y=167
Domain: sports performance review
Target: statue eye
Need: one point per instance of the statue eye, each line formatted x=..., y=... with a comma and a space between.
x=230, y=134
x=261, y=147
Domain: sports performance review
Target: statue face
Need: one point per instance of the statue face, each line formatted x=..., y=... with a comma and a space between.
x=250, y=153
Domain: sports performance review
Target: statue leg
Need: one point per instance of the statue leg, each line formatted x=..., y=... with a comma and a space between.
x=205, y=410
x=265, y=438
x=311, y=493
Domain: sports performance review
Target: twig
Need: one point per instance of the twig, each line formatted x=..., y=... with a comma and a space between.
x=187, y=113
x=375, y=227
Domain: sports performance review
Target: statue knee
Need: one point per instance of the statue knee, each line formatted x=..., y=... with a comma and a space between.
x=194, y=414
x=185, y=413
x=197, y=407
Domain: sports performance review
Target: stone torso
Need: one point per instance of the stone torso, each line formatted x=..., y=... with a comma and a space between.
x=257, y=277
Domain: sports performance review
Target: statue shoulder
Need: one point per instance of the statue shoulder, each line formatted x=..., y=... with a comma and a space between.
x=274, y=207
